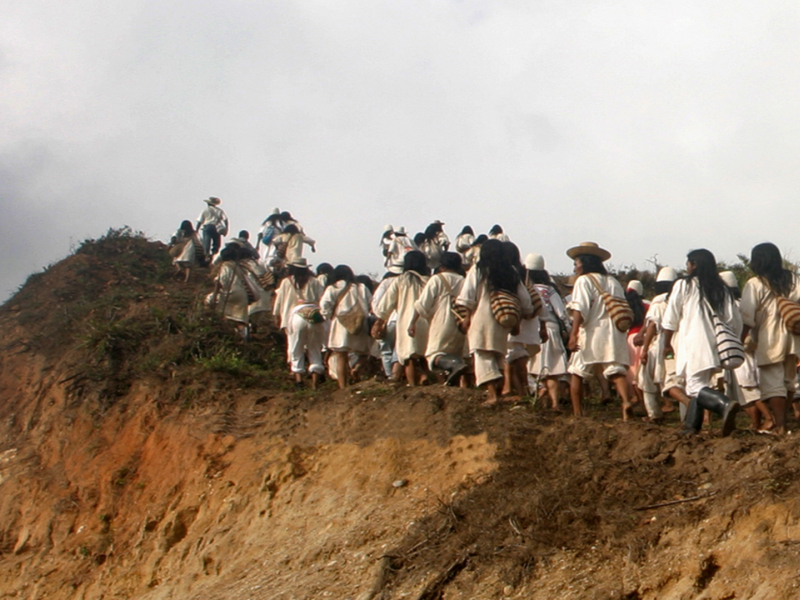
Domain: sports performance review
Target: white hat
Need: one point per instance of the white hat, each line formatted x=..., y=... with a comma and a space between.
x=387, y=228
x=212, y=201
x=636, y=286
x=395, y=268
x=534, y=262
x=666, y=274
x=729, y=279
x=400, y=230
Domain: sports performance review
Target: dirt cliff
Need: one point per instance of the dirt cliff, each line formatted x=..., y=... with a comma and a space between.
x=146, y=453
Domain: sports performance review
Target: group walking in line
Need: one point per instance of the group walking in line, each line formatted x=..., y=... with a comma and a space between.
x=481, y=315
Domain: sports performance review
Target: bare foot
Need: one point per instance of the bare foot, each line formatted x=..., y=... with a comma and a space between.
x=667, y=407
x=627, y=411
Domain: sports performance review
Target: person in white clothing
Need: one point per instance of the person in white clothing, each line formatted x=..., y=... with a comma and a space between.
x=487, y=338
x=691, y=305
x=398, y=247
x=345, y=303
x=525, y=344
x=212, y=225
x=187, y=250
x=549, y=365
x=400, y=297
x=463, y=243
x=777, y=348
x=652, y=371
x=594, y=339
x=289, y=244
x=446, y=342
x=297, y=312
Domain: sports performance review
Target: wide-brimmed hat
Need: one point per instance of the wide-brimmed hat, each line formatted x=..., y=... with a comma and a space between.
x=395, y=268
x=590, y=248
x=400, y=230
x=437, y=222
x=387, y=228
x=666, y=274
x=300, y=263
x=534, y=262
x=212, y=201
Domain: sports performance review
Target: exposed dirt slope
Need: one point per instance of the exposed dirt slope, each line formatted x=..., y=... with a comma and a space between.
x=136, y=463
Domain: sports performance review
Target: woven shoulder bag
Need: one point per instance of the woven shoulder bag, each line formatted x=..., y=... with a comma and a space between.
x=618, y=308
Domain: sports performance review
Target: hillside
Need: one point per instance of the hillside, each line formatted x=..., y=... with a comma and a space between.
x=146, y=453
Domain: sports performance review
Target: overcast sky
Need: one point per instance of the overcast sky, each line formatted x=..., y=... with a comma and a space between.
x=648, y=127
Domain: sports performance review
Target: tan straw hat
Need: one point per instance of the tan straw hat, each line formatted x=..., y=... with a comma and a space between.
x=590, y=248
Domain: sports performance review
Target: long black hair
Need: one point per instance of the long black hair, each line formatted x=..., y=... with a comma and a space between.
x=415, y=260
x=494, y=267
x=452, y=262
x=637, y=306
x=592, y=264
x=342, y=273
x=767, y=263
x=467, y=229
x=432, y=230
x=712, y=288
x=300, y=275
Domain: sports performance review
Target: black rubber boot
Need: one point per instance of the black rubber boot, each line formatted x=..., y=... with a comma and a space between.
x=721, y=405
x=454, y=367
x=694, y=418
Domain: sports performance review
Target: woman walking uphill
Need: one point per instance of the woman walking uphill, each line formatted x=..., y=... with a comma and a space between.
x=345, y=303
x=690, y=309
x=400, y=296
x=777, y=348
x=594, y=339
x=488, y=339
x=296, y=311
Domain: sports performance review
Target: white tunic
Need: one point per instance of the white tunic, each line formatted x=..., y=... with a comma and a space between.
x=294, y=244
x=599, y=340
x=485, y=333
x=232, y=297
x=213, y=216
x=400, y=296
x=759, y=308
x=339, y=338
x=444, y=337
x=687, y=312
x=289, y=297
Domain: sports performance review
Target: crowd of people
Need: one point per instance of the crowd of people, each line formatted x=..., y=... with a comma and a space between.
x=475, y=312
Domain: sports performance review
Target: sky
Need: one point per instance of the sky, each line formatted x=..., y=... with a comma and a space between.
x=651, y=128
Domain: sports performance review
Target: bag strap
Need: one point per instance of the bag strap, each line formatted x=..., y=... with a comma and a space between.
x=339, y=299
x=447, y=285
x=600, y=290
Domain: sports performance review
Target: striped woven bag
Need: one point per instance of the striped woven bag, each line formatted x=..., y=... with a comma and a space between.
x=505, y=308
x=790, y=314
x=618, y=308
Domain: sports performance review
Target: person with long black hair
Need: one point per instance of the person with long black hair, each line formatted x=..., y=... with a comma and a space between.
x=692, y=302
x=488, y=339
x=446, y=342
x=402, y=293
x=463, y=243
x=594, y=340
x=778, y=349
x=296, y=311
x=434, y=243
x=345, y=304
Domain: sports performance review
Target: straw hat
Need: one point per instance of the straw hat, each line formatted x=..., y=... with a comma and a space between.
x=729, y=279
x=636, y=286
x=666, y=274
x=590, y=248
x=400, y=230
x=212, y=201
x=387, y=228
x=534, y=262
